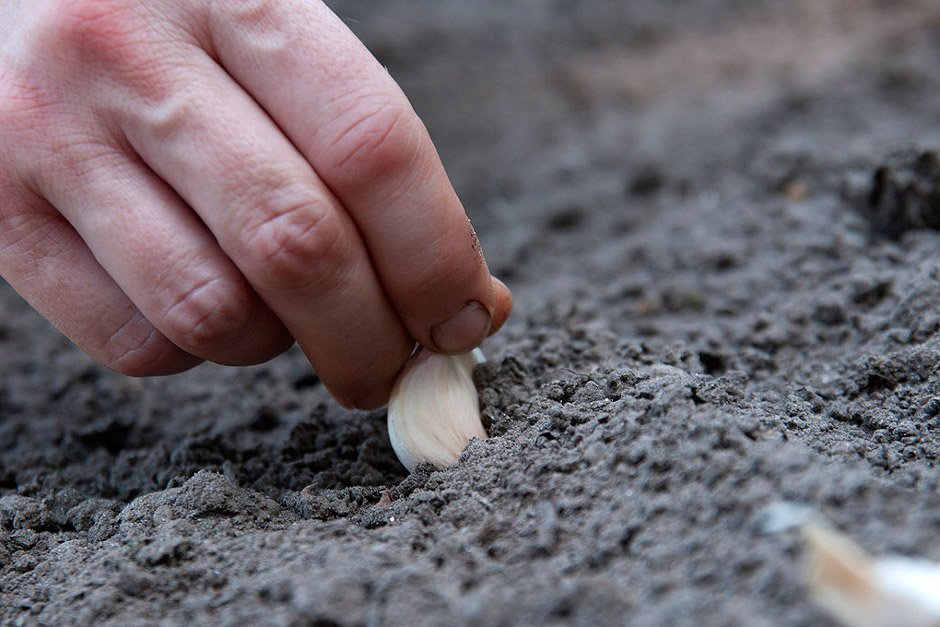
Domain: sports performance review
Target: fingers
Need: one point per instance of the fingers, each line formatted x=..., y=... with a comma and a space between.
x=353, y=124
x=44, y=260
x=161, y=256
x=279, y=224
x=322, y=210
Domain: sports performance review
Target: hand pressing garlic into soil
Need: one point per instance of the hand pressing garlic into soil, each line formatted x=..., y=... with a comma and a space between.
x=434, y=410
x=183, y=181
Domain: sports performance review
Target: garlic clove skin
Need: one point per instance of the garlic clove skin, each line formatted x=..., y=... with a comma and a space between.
x=434, y=408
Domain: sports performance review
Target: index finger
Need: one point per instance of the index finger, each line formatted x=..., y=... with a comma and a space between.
x=354, y=125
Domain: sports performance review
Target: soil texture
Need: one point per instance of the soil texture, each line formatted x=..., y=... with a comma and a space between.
x=719, y=222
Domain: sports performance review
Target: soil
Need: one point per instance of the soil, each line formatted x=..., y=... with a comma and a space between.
x=718, y=221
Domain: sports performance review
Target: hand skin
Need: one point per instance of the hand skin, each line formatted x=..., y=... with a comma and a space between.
x=189, y=180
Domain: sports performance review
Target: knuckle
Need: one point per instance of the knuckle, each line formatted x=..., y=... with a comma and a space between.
x=102, y=30
x=116, y=41
x=302, y=245
x=206, y=314
x=265, y=27
x=176, y=115
x=374, y=138
x=248, y=14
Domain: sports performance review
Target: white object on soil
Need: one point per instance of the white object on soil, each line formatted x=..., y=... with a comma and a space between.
x=434, y=409
x=861, y=591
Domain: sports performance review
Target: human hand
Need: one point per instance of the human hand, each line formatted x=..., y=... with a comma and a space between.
x=188, y=180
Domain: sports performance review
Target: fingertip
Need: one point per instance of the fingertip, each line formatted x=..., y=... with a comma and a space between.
x=344, y=401
x=366, y=385
x=502, y=305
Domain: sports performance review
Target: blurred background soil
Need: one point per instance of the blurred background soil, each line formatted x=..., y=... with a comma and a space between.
x=718, y=221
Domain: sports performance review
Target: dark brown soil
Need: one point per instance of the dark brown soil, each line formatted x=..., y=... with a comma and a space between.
x=718, y=220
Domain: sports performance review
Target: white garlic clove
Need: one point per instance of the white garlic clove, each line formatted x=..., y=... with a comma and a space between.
x=434, y=409
x=858, y=590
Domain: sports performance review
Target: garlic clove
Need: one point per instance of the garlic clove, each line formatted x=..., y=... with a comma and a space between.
x=434, y=409
x=858, y=590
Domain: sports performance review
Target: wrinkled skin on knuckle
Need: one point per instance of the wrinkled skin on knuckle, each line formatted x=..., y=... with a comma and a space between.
x=60, y=53
x=102, y=48
x=46, y=129
x=374, y=138
x=297, y=247
x=205, y=316
x=99, y=31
